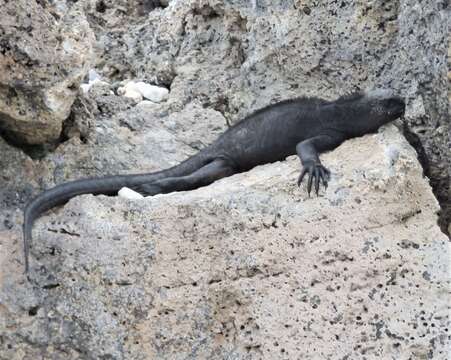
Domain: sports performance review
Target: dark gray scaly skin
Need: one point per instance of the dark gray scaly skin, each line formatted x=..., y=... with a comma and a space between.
x=306, y=126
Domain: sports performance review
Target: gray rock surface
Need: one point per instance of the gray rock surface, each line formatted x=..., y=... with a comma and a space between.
x=237, y=56
x=247, y=268
x=43, y=59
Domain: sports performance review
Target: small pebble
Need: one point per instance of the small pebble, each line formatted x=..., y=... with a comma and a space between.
x=127, y=193
x=151, y=92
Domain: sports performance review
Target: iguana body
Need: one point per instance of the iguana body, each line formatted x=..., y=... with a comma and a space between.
x=306, y=126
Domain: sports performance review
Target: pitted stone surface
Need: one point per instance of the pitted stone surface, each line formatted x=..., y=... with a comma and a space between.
x=247, y=268
x=43, y=60
x=250, y=267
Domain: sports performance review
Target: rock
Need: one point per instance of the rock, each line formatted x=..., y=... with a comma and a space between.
x=93, y=79
x=138, y=90
x=127, y=193
x=121, y=138
x=82, y=119
x=151, y=92
x=146, y=104
x=131, y=91
x=248, y=267
x=133, y=94
x=87, y=87
x=42, y=62
x=238, y=56
x=93, y=76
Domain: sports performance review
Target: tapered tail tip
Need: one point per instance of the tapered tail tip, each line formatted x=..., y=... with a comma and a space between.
x=26, y=233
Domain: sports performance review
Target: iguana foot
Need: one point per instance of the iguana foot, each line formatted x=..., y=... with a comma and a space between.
x=316, y=171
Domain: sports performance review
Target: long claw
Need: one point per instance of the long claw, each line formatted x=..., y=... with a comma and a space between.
x=310, y=180
x=327, y=173
x=317, y=175
x=315, y=172
x=323, y=174
x=301, y=177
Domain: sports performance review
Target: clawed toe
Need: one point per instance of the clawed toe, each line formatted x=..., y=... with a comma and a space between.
x=316, y=173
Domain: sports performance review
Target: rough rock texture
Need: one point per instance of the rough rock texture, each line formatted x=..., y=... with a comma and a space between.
x=125, y=139
x=247, y=268
x=237, y=56
x=42, y=62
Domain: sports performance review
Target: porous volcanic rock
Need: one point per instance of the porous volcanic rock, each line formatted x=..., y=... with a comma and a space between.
x=237, y=56
x=43, y=59
x=249, y=267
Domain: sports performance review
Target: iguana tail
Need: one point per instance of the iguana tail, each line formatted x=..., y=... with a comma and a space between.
x=108, y=185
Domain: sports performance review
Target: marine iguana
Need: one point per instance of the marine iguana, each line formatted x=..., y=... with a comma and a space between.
x=306, y=126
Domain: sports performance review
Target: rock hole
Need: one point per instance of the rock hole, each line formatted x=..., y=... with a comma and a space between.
x=100, y=6
x=51, y=286
x=36, y=152
x=307, y=10
x=146, y=6
x=33, y=310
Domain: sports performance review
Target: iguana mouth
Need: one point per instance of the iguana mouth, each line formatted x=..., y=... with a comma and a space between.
x=399, y=107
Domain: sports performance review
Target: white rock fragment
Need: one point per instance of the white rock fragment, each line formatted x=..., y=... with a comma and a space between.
x=129, y=90
x=94, y=78
x=127, y=193
x=85, y=88
x=152, y=92
x=133, y=94
x=93, y=75
x=138, y=90
x=146, y=103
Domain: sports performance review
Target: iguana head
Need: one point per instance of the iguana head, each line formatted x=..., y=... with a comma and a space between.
x=370, y=110
x=384, y=105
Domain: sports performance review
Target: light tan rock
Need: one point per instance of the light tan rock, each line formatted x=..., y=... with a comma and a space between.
x=42, y=63
x=247, y=268
x=238, y=56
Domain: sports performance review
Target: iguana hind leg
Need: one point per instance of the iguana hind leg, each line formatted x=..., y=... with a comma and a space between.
x=204, y=176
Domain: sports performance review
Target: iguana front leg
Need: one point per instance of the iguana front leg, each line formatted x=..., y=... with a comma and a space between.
x=308, y=152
